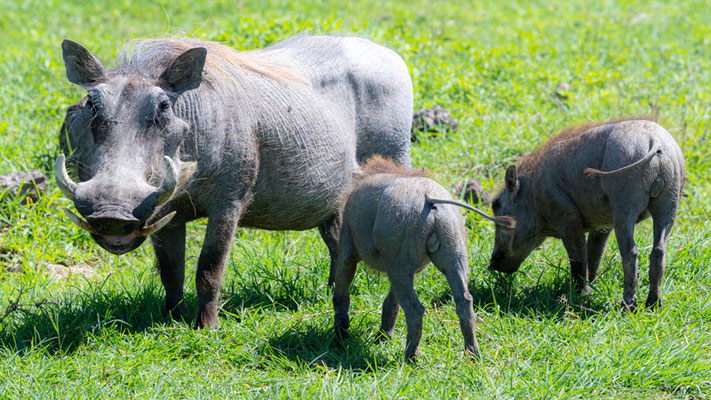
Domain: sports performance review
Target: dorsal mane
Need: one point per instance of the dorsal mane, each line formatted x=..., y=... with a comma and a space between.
x=531, y=161
x=378, y=164
x=154, y=55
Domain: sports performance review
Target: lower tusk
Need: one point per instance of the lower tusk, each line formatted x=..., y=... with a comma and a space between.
x=78, y=221
x=160, y=224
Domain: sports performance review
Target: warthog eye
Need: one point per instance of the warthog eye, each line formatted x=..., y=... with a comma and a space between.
x=164, y=106
x=496, y=205
x=90, y=106
x=93, y=102
x=98, y=124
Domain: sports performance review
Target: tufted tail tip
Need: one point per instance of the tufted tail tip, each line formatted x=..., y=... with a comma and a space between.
x=506, y=222
x=593, y=173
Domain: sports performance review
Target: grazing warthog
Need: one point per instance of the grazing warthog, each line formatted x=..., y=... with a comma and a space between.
x=396, y=221
x=560, y=190
x=184, y=129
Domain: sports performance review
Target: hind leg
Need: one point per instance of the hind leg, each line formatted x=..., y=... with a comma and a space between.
x=456, y=269
x=597, y=240
x=402, y=281
x=391, y=309
x=454, y=264
x=624, y=230
x=330, y=230
x=663, y=215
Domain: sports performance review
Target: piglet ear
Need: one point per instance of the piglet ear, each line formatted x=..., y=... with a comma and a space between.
x=185, y=73
x=511, y=180
x=357, y=174
x=82, y=67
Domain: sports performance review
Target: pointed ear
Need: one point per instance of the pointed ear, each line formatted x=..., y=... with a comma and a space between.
x=511, y=179
x=357, y=174
x=82, y=67
x=185, y=73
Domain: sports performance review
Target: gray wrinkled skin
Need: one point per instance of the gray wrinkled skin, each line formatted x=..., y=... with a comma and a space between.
x=389, y=224
x=263, y=139
x=559, y=191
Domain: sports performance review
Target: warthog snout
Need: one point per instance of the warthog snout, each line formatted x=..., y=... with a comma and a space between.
x=501, y=263
x=113, y=221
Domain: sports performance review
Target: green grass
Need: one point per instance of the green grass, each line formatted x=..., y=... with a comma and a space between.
x=495, y=64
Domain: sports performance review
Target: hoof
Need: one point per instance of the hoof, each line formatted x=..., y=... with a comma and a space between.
x=341, y=334
x=205, y=322
x=654, y=304
x=382, y=336
x=585, y=290
x=411, y=357
x=210, y=327
x=175, y=312
x=473, y=352
x=629, y=306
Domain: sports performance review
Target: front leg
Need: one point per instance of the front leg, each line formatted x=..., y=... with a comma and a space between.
x=391, y=309
x=569, y=227
x=575, y=245
x=330, y=232
x=345, y=268
x=221, y=228
x=169, y=246
x=597, y=240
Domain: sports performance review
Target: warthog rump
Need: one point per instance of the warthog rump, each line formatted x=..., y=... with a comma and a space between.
x=184, y=129
x=397, y=221
x=591, y=179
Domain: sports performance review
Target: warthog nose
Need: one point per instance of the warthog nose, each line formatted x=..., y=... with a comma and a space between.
x=114, y=223
x=113, y=227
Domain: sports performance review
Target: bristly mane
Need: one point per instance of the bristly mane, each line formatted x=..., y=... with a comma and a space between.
x=530, y=161
x=378, y=164
x=154, y=55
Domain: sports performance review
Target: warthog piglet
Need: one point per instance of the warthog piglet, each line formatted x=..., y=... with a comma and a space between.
x=591, y=179
x=397, y=221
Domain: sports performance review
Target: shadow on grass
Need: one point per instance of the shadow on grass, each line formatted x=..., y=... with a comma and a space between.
x=280, y=293
x=62, y=326
x=552, y=299
x=311, y=346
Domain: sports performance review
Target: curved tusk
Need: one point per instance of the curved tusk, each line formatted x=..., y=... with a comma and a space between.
x=65, y=183
x=78, y=221
x=160, y=224
x=169, y=182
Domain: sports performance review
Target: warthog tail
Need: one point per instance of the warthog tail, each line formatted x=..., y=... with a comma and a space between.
x=504, y=221
x=596, y=173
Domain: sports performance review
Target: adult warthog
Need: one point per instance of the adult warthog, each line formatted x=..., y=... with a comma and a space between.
x=184, y=129
x=593, y=178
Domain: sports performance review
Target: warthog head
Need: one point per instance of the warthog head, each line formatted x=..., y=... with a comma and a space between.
x=126, y=140
x=513, y=245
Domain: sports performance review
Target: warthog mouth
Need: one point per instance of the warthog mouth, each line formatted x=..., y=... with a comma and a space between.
x=121, y=244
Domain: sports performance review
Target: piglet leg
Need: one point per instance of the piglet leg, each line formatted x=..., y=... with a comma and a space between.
x=403, y=286
x=624, y=230
x=575, y=245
